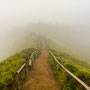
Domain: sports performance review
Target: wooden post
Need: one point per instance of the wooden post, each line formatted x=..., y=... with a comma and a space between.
x=30, y=62
x=17, y=81
x=58, y=66
x=33, y=57
x=36, y=53
x=66, y=74
x=26, y=71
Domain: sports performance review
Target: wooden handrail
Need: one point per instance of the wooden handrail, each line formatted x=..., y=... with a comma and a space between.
x=32, y=54
x=22, y=67
x=71, y=74
x=31, y=60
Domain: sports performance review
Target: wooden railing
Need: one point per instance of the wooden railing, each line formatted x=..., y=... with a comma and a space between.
x=23, y=68
x=32, y=59
x=71, y=74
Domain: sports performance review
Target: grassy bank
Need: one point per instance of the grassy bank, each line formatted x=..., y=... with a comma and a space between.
x=79, y=68
x=9, y=67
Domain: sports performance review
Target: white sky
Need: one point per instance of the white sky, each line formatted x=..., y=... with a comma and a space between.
x=14, y=12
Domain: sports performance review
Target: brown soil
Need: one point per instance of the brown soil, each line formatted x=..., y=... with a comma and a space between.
x=41, y=77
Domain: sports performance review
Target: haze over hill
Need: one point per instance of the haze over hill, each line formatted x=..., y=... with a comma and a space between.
x=73, y=40
x=13, y=42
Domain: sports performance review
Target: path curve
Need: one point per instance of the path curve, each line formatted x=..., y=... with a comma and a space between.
x=41, y=77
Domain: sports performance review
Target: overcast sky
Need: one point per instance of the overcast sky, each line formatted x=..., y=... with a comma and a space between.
x=72, y=13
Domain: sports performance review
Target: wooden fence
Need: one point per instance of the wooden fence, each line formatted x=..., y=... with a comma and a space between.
x=68, y=72
x=23, y=68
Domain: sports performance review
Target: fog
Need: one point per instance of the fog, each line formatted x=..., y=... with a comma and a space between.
x=66, y=22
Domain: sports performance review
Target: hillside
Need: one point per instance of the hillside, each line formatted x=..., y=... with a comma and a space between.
x=12, y=45
x=78, y=67
x=40, y=70
x=9, y=66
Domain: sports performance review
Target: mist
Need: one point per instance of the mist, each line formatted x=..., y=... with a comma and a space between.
x=67, y=23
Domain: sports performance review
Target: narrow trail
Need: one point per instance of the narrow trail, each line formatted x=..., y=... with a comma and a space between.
x=41, y=77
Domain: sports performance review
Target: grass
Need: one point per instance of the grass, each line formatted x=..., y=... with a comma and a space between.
x=77, y=67
x=9, y=67
x=65, y=57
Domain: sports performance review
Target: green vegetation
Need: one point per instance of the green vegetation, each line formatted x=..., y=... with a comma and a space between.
x=79, y=68
x=9, y=67
x=61, y=49
x=65, y=57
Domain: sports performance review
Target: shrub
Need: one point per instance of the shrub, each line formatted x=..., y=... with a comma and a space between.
x=9, y=67
x=70, y=83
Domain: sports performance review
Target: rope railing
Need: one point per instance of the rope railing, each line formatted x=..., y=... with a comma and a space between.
x=68, y=72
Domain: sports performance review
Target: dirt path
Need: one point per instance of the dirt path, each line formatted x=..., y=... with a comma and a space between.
x=41, y=77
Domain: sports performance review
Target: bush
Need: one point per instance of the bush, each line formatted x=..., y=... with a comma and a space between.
x=9, y=67
x=70, y=83
x=69, y=58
